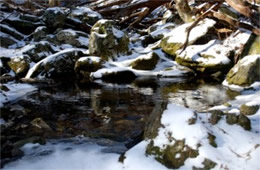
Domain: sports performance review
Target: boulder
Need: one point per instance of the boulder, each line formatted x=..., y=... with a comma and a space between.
x=176, y=38
x=54, y=18
x=38, y=51
x=85, y=15
x=85, y=65
x=56, y=65
x=158, y=32
x=248, y=110
x=7, y=40
x=252, y=46
x=245, y=72
x=40, y=33
x=20, y=64
x=107, y=41
x=11, y=31
x=74, y=38
x=206, y=58
x=145, y=62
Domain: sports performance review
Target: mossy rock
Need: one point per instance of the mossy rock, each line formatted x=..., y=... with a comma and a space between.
x=208, y=165
x=231, y=119
x=248, y=110
x=212, y=141
x=245, y=73
x=215, y=116
x=173, y=156
x=170, y=48
x=244, y=122
x=147, y=62
x=107, y=41
x=20, y=65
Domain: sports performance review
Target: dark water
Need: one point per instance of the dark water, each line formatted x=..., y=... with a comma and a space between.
x=117, y=112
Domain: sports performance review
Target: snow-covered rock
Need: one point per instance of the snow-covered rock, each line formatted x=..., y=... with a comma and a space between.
x=7, y=40
x=85, y=15
x=53, y=66
x=107, y=41
x=54, y=17
x=245, y=72
x=176, y=38
x=145, y=62
x=40, y=33
x=74, y=38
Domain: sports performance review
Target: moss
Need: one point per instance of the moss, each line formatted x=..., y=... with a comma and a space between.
x=20, y=65
x=146, y=64
x=248, y=110
x=252, y=46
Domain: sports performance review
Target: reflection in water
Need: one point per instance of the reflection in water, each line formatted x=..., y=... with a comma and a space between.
x=104, y=111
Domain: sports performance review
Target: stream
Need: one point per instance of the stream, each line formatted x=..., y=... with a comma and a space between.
x=97, y=122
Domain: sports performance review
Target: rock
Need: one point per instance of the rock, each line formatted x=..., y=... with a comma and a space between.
x=85, y=15
x=28, y=17
x=23, y=26
x=38, y=51
x=56, y=65
x=170, y=44
x=173, y=156
x=11, y=31
x=244, y=122
x=85, y=65
x=208, y=165
x=158, y=32
x=4, y=68
x=34, y=139
x=7, y=40
x=145, y=62
x=245, y=72
x=54, y=18
x=212, y=141
x=252, y=46
x=20, y=64
x=107, y=41
x=40, y=124
x=122, y=76
x=215, y=116
x=248, y=110
x=213, y=56
x=40, y=33
x=74, y=38
x=231, y=119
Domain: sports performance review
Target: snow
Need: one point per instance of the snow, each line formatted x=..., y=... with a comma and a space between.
x=16, y=91
x=90, y=59
x=84, y=10
x=117, y=33
x=178, y=35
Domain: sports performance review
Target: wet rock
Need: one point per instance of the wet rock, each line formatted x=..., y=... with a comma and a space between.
x=56, y=65
x=85, y=15
x=173, y=156
x=11, y=31
x=54, y=18
x=107, y=41
x=215, y=116
x=146, y=62
x=244, y=122
x=40, y=33
x=122, y=76
x=248, y=110
x=38, y=51
x=7, y=40
x=231, y=119
x=85, y=65
x=41, y=124
x=20, y=64
x=245, y=72
x=175, y=41
x=74, y=38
